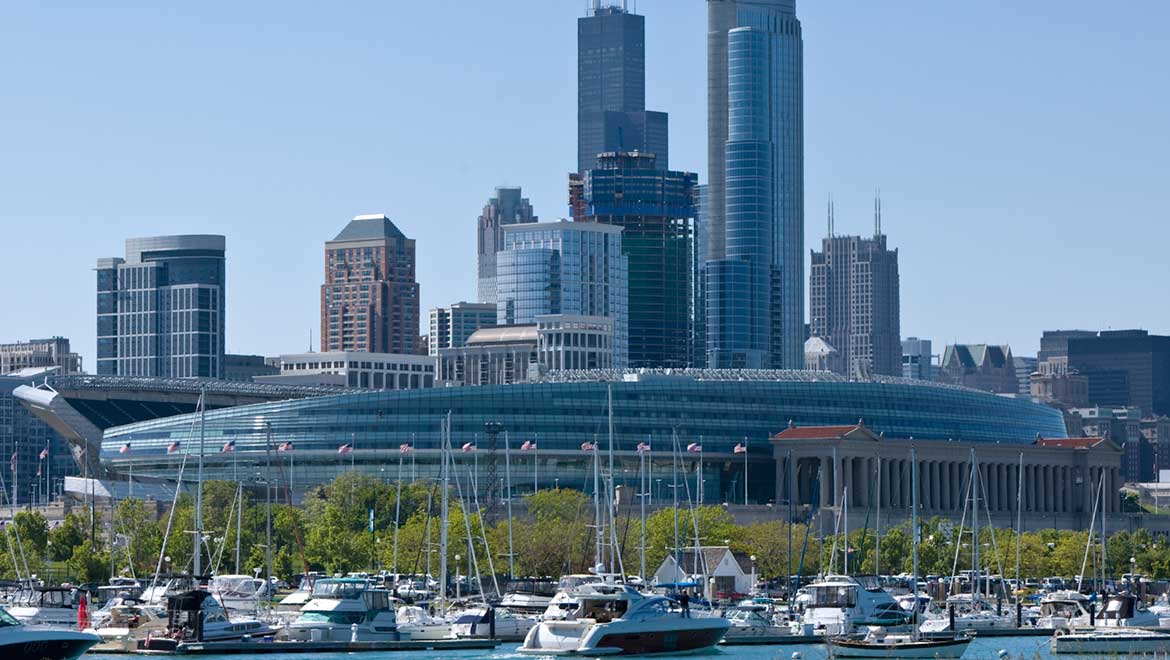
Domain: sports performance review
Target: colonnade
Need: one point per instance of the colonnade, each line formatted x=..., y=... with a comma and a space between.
x=944, y=484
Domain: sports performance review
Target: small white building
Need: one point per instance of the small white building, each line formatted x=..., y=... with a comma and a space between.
x=389, y=371
x=720, y=571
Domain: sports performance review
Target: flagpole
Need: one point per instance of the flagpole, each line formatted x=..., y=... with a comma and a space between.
x=535, y=462
x=397, y=509
x=745, y=471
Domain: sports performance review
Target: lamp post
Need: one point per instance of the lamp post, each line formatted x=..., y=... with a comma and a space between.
x=752, y=591
x=457, y=577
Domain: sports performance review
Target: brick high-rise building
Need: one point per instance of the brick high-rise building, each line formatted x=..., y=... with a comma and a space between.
x=853, y=303
x=370, y=299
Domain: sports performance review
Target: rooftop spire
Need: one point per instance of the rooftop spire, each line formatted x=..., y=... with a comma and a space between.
x=877, y=212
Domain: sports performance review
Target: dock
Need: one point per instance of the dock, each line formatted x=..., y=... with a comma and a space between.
x=258, y=647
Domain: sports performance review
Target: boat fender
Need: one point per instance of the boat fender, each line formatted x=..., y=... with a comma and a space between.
x=796, y=655
x=1002, y=653
x=353, y=628
x=1061, y=632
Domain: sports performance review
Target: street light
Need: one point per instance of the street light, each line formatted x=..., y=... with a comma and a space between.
x=752, y=591
x=457, y=578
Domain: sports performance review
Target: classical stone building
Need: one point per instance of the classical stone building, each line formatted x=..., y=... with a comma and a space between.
x=823, y=467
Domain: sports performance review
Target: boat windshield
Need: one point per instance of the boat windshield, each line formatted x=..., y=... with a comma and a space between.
x=832, y=596
x=869, y=582
x=570, y=582
x=341, y=589
x=7, y=619
x=336, y=618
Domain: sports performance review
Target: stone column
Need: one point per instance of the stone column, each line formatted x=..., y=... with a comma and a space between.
x=826, y=478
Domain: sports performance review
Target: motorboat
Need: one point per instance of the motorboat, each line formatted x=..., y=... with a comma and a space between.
x=1110, y=642
x=1126, y=610
x=1064, y=609
x=420, y=624
x=528, y=595
x=196, y=616
x=44, y=606
x=492, y=622
x=752, y=623
x=417, y=590
x=238, y=593
x=840, y=604
x=615, y=619
x=123, y=622
x=22, y=642
x=563, y=602
x=880, y=644
x=167, y=585
x=337, y=605
x=971, y=613
x=289, y=607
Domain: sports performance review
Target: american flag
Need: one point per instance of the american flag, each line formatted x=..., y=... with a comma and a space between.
x=285, y=446
x=405, y=448
x=173, y=447
x=467, y=446
x=125, y=449
x=740, y=449
x=528, y=445
x=228, y=447
x=12, y=462
x=643, y=447
x=38, y=469
x=695, y=447
x=347, y=448
x=588, y=446
x=44, y=453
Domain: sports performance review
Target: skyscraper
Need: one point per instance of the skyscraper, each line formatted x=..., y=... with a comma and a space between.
x=611, y=88
x=508, y=207
x=755, y=196
x=370, y=298
x=160, y=309
x=570, y=268
x=656, y=210
x=853, y=303
x=452, y=325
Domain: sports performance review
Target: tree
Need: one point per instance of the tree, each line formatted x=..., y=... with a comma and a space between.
x=66, y=536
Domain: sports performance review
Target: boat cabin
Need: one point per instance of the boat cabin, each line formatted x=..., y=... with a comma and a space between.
x=43, y=597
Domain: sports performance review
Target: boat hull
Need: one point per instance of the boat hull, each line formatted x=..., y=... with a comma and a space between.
x=1113, y=646
x=951, y=648
x=46, y=644
x=557, y=638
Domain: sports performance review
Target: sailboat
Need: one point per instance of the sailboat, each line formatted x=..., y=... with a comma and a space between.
x=881, y=644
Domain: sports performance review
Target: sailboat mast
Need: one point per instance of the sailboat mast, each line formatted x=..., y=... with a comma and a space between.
x=508, y=486
x=445, y=472
x=914, y=539
x=674, y=490
x=974, y=524
x=397, y=512
x=597, y=564
x=1019, y=513
x=642, y=505
x=198, y=560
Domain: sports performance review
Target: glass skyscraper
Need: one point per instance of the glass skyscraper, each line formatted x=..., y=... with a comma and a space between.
x=611, y=88
x=508, y=207
x=160, y=310
x=755, y=196
x=571, y=268
x=656, y=210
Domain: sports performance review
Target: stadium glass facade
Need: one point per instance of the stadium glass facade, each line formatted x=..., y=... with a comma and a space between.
x=714, y=409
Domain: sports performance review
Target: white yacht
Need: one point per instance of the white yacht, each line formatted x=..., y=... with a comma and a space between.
x=492, y=622
x=1063, y=609
x=21, y=642
x=44, y=606
x=972, y=613
x=196, y=616
x=123, y=622
x=1126, y=611
x=337, y=605
x=417, y=622
x=563, y=601
x=529, y=595
x=752, y=623
x=840, y=604
x=1111, y=643
x=614, y=619
x=238, y=593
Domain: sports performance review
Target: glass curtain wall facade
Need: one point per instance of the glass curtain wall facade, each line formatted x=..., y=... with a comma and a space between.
x=656, y=210
x=611, y=88
x=559, y=416
x=570, y=268
x=762, y=66
x=160, y=310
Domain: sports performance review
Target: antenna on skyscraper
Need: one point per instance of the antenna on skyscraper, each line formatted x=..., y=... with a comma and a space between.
x=830, y=215
x=877, y=212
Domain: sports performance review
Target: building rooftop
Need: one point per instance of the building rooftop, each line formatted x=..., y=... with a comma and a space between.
x=503, y=334
x=1069, y=443
x=794, y=432
x=977, y=355
x=369, y=227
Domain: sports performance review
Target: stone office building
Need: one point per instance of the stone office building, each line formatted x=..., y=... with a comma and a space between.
x=827, y=466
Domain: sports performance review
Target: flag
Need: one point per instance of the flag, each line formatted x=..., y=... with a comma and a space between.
x=588, y=446
x=44, y=453
x=467, y=446
x=38, y=469
x=12, y=462
x=285, y=446
x=228, y=447
x=740, y=449
x=347, y=448
x=405, y=448
x=125, y=449
x=695, y=447
x=643, y=447
x=173, y=447
x=528, y=445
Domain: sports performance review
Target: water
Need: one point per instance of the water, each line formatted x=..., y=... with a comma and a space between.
x=1018, y=648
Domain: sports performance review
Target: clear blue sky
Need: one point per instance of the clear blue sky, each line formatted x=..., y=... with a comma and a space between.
x=1021, y=147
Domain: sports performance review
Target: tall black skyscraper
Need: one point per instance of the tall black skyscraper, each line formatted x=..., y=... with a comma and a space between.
x=611, y=88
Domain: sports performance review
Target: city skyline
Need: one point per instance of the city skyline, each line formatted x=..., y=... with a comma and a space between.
x=944, y=186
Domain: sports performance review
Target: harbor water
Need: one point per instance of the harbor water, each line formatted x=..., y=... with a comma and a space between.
x=1018, y=648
